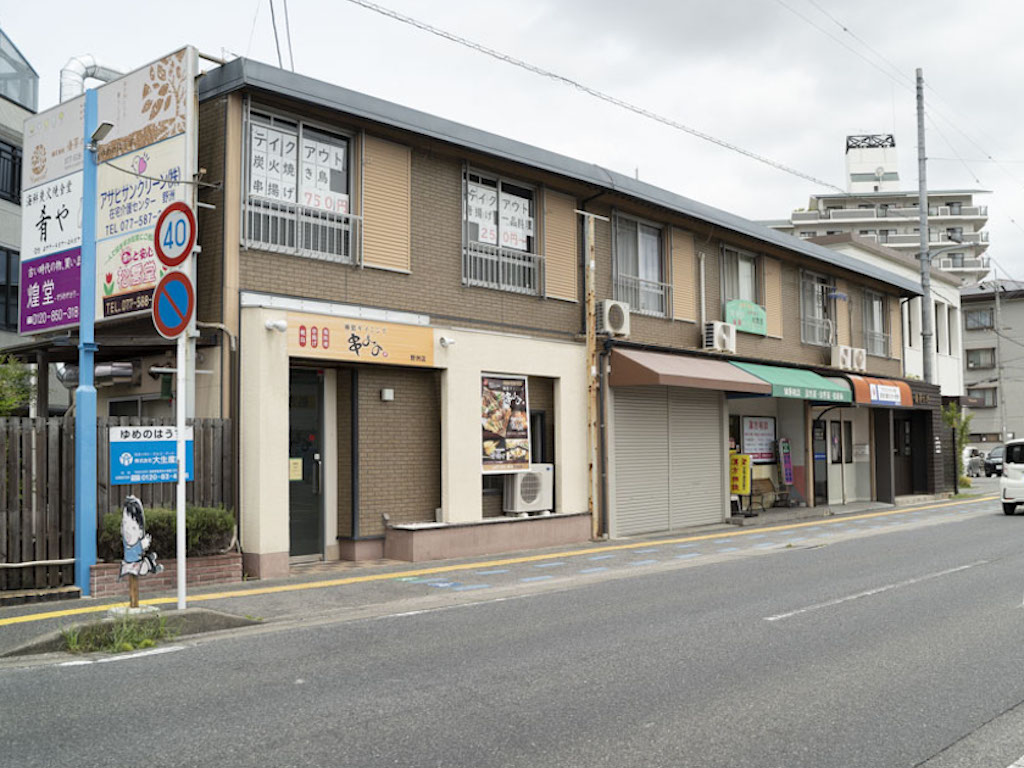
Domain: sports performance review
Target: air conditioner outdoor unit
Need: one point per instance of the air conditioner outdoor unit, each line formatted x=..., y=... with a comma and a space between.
x=720, y=337
x=613, y=318
x=842, y=357
x=860, y=359
x=531, y=491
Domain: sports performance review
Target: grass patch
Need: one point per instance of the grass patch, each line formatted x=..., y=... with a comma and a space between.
x=118, y=635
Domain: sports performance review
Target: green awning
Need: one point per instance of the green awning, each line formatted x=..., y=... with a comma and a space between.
x=798, y=383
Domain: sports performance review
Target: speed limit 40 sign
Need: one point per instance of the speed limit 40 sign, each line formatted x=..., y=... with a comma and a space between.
x=175, y=234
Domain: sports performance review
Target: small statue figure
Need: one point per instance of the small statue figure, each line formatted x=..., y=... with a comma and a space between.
x=138, y=561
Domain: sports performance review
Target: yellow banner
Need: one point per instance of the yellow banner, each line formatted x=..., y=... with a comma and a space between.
x=739, y=474
x=359, y=341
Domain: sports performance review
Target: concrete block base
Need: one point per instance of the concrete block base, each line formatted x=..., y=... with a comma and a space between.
x=271, y=565
x=363, y=549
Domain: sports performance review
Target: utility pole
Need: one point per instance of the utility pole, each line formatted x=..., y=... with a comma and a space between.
x=927, y=307
x=999, y=361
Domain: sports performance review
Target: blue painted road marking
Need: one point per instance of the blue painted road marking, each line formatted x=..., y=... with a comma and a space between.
x=535, y=578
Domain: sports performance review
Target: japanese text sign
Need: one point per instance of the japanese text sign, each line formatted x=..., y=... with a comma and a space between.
x=148, y=455
x=505, y=421
x=324, y=337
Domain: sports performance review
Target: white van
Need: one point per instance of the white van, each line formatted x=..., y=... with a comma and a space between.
x=1011, y=484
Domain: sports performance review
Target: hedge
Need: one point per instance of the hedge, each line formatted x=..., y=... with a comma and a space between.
x=208, y=531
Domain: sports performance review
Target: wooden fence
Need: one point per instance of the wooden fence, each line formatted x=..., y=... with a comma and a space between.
x=37, y=490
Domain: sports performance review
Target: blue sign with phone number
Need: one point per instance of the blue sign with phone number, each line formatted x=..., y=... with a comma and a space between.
x=140, y=460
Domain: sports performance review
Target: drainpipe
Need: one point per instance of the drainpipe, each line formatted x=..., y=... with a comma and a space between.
x=74, y=73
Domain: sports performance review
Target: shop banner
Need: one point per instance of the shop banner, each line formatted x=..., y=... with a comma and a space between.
x=739, y=474
x=786, y=462
x=747, y=316
x=759, y=438
x=325, y=337
x=884, y=394
x=505, y=420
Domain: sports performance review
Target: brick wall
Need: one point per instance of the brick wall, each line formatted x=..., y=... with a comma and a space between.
x=199, y=572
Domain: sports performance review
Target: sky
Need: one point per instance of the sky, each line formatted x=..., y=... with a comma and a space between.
x=787, y=80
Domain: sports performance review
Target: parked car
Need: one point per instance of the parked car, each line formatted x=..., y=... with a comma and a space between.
x=994, y=461
x=1011, y=484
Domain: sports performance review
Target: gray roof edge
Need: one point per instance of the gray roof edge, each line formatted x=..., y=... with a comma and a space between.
x=240, y=73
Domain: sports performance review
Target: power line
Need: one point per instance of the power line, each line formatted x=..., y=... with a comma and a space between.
x=288, y=31
x=273, y=21
x=252, y=32
x=506, y=58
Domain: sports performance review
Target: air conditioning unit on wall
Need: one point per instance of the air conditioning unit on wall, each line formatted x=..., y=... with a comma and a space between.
x=860, y=359
x=842, y=357
x=530, y=492
x=721, y=337
x=613, y=318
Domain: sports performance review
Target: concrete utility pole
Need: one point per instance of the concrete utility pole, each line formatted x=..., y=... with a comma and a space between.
x=999, y=360
x=927, y=308
x=590, y=254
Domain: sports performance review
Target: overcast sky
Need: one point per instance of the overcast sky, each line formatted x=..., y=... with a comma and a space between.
x=775, y=77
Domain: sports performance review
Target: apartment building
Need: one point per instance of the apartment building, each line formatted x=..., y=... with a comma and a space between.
x=875, y=208
x=392, y=311
x=992, y=365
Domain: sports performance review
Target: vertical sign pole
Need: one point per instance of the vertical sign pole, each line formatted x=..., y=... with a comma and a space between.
x=85, y=393
x=180, y=408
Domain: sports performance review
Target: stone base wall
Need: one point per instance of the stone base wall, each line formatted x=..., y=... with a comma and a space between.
x=199, y=572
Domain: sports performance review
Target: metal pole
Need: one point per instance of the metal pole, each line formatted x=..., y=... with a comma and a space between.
x=182, y=395
x=927, y=308
x=999, y=362
x=85, y=393
x=956, y=461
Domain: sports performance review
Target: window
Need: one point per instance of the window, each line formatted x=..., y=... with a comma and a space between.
x=847, y=442
x=739, y=276
x=985, y=397
x=817, y=309
x=978, y=359
x=885, y=234
x=10, y=266
x=10, y=173
x=955, y=209
x=876, y=340
x=805, y=233
x=298, y=181
x=954, y=234
x=500, y=242
x=639, y=269
x=956, y=260
x=978, y=319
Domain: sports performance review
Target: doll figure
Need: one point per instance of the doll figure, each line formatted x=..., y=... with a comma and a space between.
x=137, y=561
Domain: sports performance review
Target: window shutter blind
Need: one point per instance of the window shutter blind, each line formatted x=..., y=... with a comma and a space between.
x=387, y=238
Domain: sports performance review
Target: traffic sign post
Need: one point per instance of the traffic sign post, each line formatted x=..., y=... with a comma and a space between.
x=174, y=306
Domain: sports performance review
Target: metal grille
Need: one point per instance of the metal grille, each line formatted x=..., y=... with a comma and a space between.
x=490, y=266
x=877, y=343
x=529, y=488
x=816, y=331
x=287, y=228
x=644, y=296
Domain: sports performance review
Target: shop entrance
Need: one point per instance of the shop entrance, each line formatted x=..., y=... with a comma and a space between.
x=819, y=449
x=305, y=462
x=902, y=455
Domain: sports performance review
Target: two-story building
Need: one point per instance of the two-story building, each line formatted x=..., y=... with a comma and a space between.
x=392, y=308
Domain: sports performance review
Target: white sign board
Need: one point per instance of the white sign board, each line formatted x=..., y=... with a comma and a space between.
x=323, y=184
x=53, y=143
x=273, y=163
x=482, y=210
x=516, y=222
x=759, y=438
x=51, y=217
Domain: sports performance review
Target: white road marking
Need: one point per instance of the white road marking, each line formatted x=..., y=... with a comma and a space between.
x=875, y=591
x=122, y=657
x=1018, y=763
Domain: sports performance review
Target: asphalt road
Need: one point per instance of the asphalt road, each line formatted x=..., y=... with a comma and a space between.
x=900, y=646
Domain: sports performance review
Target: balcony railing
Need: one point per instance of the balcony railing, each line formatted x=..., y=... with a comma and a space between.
x=907, y=212
x=644, y=296
x=979, y=264
x=506, y=269
x=876, y=343
x=279, y=227
x=816, y=330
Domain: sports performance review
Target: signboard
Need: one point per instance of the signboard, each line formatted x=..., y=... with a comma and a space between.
x=759, y=438
x=49, y=292
x=273, y=162
x=739, y=474
x=747, y=316
x=175, y=235
x=516, y=222
x=53, y=144
x=884, y=394
x=482, y=210
x=338, y=338
x=505, y=423
x=147, y=455
x=174, y=303
x=786, y=459
x=323, y=183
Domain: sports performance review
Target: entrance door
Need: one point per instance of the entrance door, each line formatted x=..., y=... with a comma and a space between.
x=902, y=461
x=819, y=450
x=305, y=462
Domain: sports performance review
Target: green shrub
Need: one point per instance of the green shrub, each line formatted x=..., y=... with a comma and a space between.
x=118, y=636
x=208, y=531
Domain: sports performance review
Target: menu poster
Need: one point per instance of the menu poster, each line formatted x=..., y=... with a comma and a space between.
x=505, y=423
x=759, y=438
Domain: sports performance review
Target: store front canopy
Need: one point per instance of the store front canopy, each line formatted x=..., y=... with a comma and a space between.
x=634, y=367
x=871, y=391
x=798, y=384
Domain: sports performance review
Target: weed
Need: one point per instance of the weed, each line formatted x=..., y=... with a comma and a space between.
x=250, y=617
x=118, y=636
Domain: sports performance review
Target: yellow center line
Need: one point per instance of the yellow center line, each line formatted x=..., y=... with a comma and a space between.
x=390, y=576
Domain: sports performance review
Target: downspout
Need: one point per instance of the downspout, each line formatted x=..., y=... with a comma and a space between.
x=703, y=300
x=74, y=73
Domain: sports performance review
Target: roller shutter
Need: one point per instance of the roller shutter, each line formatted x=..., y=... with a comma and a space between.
x=668, y=459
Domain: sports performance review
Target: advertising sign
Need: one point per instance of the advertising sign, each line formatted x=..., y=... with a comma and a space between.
x=49, y=292
x=323, y=183
x=482, y=210
x=273, y=162
x=51, y=217
x=516, y=222
x=759, y=438
x=53, y=143
x=786, y=459
x=747, y=316
x=147, y=455
x=884, y=394
x=324, y=337
x=739, y=474
x=505, y=422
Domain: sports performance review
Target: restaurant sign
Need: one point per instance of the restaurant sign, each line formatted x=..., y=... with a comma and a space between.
x=324, y=337
x=505, y=423
x=747, y=316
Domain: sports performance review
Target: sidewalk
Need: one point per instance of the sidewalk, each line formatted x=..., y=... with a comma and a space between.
x=321, y=591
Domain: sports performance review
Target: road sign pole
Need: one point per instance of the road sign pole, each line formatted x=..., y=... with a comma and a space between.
x=180, y=407
x=85, y=393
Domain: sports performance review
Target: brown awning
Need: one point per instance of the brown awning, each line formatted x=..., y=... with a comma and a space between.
x=634, y=367
x=873, y=391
